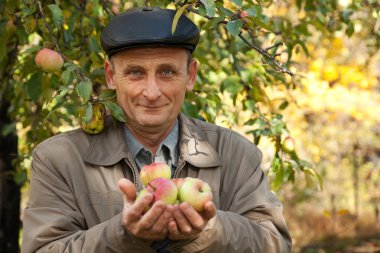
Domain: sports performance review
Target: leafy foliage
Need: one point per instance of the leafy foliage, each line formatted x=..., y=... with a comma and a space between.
x=245, y=49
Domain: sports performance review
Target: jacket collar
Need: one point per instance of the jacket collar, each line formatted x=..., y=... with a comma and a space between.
x=110, y=146
x=194, y=146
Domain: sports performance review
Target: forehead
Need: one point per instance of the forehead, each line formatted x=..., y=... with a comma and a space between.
x=149, y=55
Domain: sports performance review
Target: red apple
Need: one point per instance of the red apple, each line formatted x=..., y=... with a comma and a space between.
x=154, y=170
x=163, y=189
x=243, y=14
x=49, y=60
x=196, y=192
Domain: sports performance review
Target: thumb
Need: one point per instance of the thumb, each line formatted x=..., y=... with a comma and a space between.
x=209, y=210
x=128, y=189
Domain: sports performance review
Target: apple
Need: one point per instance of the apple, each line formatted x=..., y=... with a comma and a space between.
x=163, y=189
x=96, y=124
x=196, y=192
x=243, y=14
x=288, y=144
x=154, y=170
x=49, y=60
x=178, y=182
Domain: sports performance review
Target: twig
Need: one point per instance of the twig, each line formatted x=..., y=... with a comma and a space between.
x=266, y=55
x=258, y=49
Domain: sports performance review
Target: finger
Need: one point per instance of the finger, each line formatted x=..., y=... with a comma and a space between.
x=183, y=224
x=161, y=224
x=152, y=215
x=173, y=230
x=195, y=219
x=128, y=188
x=143, y=203
x=209, y=210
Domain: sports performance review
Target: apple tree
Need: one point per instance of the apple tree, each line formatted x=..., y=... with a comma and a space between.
x=246, y=49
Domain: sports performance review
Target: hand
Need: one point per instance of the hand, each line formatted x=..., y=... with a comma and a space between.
x=152, y=225
x=187, y=222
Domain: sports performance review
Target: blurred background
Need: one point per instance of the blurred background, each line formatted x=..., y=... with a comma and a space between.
x=300, y=78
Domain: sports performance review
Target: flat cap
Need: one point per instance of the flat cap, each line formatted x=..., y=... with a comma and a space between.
x=147, y=27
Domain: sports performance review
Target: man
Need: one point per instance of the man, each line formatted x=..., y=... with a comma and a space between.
x=83, y=187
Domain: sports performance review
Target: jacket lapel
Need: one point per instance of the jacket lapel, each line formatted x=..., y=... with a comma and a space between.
x=194, y=147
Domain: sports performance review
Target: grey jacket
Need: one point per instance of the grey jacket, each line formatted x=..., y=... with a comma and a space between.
x=75, y=204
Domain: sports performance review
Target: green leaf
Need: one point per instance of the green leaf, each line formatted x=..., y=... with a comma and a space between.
x=20, y=177
x=67, y=75
x=177, y=15
x=59, y=101
x=283, y=105
x=210, y=7
x=260, y=22
x=115, y=110
x=107, y=94
x=238, y=2
x=223, y=11
x=27, y=11
x=232, y=85
x=84, y=89
x=93, y=44
x=350, y=30
x=210, y=25
x=57, y=14
x=89, y=112
x=254, y=11
x=234, y=26
x=33, y=86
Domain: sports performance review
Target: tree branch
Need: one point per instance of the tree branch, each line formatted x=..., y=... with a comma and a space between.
x=263, y=52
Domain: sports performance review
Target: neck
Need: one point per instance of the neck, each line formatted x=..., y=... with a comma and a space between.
x=150, y=139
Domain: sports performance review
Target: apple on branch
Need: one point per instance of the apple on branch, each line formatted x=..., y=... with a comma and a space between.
x=154, y=170
x=49, y=60
x=196, y=192
x=288, y=144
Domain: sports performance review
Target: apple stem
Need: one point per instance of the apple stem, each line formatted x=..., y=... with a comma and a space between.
x=152, y=186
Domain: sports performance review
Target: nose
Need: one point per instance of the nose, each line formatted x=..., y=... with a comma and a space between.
x=152, y=90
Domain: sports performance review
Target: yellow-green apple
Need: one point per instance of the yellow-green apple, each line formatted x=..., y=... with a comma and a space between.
x=154, y=170
x=288, y=144
x=163, y=189
x=49, y=60
x=196, y=192
x=96, y=124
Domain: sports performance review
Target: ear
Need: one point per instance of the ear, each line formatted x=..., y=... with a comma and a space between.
x=109, y=72
x=193, y=68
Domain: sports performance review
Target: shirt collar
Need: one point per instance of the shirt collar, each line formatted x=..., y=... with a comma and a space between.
x=171, y=142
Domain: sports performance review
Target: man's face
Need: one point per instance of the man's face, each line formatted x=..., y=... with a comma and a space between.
x=151, y=84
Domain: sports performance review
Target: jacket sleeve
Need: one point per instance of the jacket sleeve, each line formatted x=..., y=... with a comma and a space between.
x=250, y=216
x=53, y=222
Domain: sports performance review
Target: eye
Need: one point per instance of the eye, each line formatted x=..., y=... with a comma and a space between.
x=135, y=72
x=167, y=73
